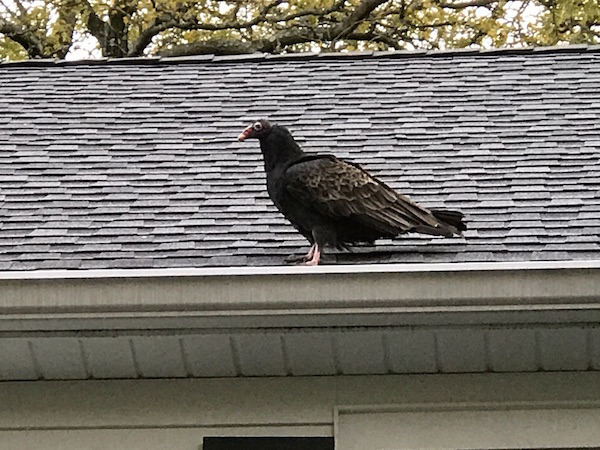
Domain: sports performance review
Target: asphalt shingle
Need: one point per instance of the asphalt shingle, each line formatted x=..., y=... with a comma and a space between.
x=121, y=164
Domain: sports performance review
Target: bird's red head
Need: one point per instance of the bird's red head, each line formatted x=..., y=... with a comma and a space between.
x=258, y=130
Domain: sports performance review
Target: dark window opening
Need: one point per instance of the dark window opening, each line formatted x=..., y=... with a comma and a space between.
x=267, y=443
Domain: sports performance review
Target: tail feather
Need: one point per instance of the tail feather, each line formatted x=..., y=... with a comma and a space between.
x=452, y=218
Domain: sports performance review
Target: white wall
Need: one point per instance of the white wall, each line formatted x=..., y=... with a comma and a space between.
x=470, y=426
x=161, y=414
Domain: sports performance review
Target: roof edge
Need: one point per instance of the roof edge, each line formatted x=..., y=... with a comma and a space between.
x=208, y=58
x=544, y=292
x=297, y=270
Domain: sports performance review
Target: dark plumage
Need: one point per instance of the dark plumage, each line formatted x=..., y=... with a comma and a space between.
x=335, y=202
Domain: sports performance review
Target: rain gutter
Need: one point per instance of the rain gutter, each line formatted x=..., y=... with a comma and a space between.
x=484, y=294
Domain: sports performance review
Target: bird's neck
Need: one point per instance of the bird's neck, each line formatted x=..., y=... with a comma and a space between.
x=279, y=149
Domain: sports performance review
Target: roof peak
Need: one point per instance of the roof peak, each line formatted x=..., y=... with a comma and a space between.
x=575, y=48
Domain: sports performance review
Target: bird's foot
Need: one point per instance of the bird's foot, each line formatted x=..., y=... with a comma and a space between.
x=312, y=262
x=315, y=256
x=310, y=259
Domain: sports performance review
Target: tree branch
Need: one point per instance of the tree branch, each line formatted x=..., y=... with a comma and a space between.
x=158, y=25
x=350, y=23
x=286, y=37
x=376, y=37
x=68, y=10
x=26, y=38
x=95, y=24
x=21, y=8
x=467, y=4
x=214, y=47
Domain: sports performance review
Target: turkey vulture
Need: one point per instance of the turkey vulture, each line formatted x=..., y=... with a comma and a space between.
x=335, y=202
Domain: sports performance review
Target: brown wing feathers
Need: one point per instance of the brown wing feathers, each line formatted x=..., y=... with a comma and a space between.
x=340, y=189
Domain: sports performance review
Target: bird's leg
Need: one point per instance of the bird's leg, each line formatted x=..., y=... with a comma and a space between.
x=315, y=252
x=311, y=252
x=322, y=235
x=302, y=258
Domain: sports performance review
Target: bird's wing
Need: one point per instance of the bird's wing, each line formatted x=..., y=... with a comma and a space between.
x=339, y=189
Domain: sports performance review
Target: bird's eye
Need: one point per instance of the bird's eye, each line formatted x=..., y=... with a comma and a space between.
x=257, y=126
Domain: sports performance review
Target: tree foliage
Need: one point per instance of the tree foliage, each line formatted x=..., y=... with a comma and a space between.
x=121, y=28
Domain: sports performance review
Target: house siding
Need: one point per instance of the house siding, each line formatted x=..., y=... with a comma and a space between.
x=161, y=414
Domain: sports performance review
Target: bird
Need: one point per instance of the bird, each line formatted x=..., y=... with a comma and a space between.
x=336, y=203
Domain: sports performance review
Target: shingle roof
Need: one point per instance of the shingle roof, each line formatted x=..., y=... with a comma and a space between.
x=135, y=163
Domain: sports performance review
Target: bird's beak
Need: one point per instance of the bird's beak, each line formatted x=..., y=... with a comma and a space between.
x=245, y=134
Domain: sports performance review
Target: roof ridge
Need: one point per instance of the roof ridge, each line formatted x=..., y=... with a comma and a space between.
x=204, y=58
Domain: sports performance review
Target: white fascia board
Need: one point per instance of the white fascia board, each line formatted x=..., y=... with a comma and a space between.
x=324, y=296
x=297, y=270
